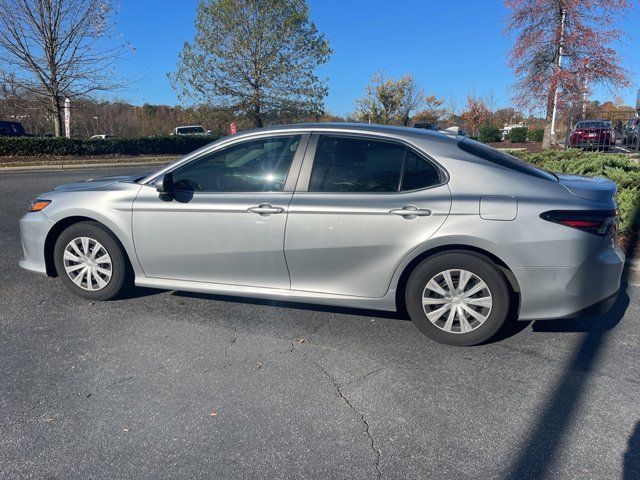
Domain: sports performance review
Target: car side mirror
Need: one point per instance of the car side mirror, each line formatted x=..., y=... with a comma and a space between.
x=164, y=183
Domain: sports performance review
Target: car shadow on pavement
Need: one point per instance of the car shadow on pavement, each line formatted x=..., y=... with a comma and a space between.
x=139, y=292
x=296, y=305
x=539, y=451
x=631, y=463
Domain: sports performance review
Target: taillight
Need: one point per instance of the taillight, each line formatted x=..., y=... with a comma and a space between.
x=598, y=222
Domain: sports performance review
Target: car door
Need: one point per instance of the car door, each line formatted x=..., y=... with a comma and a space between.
x=362, y=205
x=225, y=219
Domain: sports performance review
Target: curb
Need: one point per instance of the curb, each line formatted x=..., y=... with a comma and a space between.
x=632, y=269
x=71, y=166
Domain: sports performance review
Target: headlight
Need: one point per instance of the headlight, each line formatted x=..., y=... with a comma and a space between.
x=38, y=204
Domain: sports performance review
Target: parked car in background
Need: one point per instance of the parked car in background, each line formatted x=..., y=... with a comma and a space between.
x=592, y=134
x=101, y=136
x=454, y=131
x=630, y=132
x=191, y=130
x=506, y=130
x=364, y=216
x=12, y=129
x=427, y=126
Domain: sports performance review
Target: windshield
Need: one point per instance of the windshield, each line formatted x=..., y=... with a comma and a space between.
x=503, y=159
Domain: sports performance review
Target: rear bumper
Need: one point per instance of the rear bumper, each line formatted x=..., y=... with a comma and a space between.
x=565, y=292
x=598, y=308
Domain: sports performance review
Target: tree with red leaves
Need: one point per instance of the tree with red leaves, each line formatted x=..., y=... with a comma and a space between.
x=562, y=47
x=475, y=114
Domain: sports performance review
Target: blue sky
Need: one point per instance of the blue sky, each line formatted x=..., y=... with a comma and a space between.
x=452, y=48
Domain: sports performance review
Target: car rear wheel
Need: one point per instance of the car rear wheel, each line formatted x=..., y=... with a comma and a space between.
x=457, y=298
x=90, y=261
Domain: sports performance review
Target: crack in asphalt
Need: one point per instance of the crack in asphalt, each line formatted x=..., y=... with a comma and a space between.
x=363, y=377
x=338, y=389
x=155, y=371
x=226, y=349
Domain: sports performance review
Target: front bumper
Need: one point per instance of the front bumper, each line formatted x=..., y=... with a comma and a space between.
x=564, y=292
x=34, y=227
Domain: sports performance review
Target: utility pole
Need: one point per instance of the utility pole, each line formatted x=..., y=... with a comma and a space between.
x=558, y=67
x=585, y=92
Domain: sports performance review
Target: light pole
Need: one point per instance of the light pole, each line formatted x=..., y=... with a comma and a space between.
x=96, y=119
x=585, y=92
x=559, y=66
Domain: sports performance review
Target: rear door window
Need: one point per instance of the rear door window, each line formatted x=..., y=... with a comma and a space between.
x=347, y=164
x=418, y=173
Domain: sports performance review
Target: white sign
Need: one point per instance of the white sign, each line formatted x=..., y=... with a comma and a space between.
x=67, y=118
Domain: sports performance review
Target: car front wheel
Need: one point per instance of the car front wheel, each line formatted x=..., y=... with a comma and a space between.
x=457, y=298
x=90, y=261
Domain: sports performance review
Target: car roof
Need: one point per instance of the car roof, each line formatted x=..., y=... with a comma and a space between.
x=355, y=128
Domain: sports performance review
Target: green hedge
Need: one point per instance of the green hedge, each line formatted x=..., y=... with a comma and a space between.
x=518, y=134
x=536, y=134
x=489, y=134
x=622, y=170
x=33, y=146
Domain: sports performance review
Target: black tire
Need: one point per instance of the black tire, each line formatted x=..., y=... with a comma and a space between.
x=477, y=265
x=120, y=279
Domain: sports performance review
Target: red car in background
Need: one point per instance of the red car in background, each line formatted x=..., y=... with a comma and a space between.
x=593, y=134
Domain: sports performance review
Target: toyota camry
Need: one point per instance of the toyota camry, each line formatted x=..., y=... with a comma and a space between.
x=461, y=236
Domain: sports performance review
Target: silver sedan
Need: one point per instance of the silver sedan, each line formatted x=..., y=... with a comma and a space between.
x=462, y=236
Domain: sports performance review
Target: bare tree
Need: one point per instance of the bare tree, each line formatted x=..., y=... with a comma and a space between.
x=390, y=101
x=413, y=97
x=382, y=101
x=51, y=50
x=432, y=112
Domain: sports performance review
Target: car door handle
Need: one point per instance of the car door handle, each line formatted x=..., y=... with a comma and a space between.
x=265, y=209
x=411, y=211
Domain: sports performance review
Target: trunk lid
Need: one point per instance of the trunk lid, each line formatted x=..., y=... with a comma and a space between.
x=591, y=188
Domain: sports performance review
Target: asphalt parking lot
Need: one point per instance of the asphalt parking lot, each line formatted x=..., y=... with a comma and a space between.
x=177, y=385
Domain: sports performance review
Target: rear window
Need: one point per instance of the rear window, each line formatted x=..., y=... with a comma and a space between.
x=190, y=130
x=505, y=160
x=593, y=125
